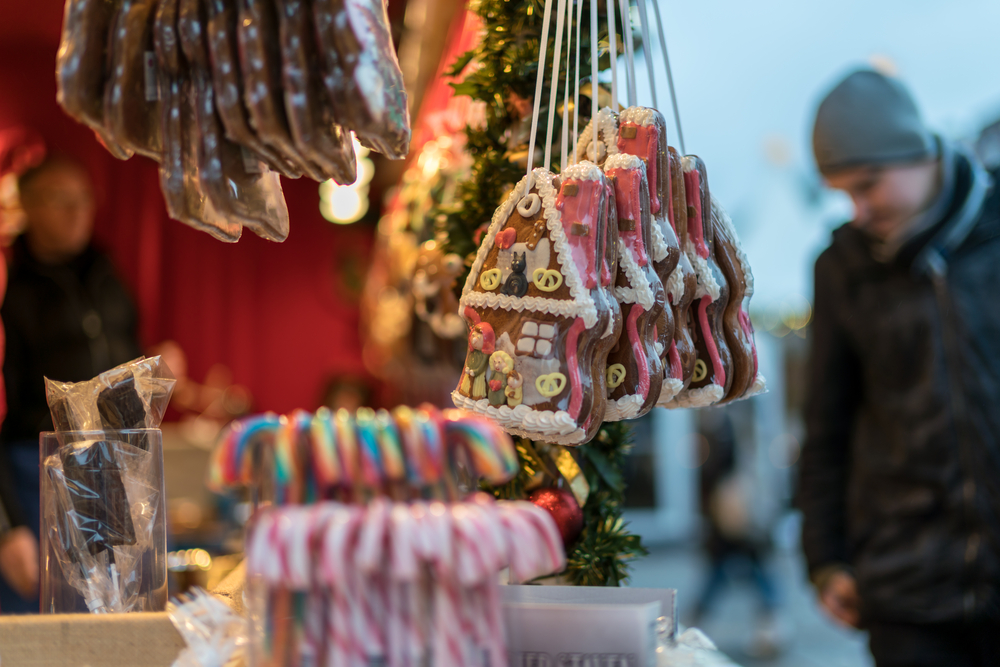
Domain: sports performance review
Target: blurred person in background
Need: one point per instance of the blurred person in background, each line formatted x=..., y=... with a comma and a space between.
x=67, y=317
x=900, y=472
x=735, y=539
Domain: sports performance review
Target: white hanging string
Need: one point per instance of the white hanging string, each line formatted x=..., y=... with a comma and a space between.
x=629, y=48
x=613, y=46
x=647, y=48
x=576, y=85
x=542, y=48
x=564, y=143
x=554, y=87
x=670, y=76
x=595, y=105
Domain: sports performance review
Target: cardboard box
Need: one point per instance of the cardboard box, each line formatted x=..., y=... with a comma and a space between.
x=84, y=640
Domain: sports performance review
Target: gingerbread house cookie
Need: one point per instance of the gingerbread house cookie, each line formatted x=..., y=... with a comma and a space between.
x=643, y=132
x=634, y=373
x=747, y=380
x=532, y=297
x=607, y=138
x=713, y=368
x=680, y=288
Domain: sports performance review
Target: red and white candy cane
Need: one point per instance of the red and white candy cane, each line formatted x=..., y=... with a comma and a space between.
x=336, y=564
x=368, y=569
x=437, y=547
x=404, y=571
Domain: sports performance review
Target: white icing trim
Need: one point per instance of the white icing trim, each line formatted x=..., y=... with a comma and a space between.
x=688, y=164
x=697, y=398
x=639, y=290
x=521, y=420
x=671, y=387
x=759, y=386
x=675, y=282
x=581, y=303
x=574, y=438
x=583, y=171
x=659, y=347
x=707, y=285
x=659, y=244
x=626, y=407
x=624, y=161
x=729, y=231
x=640, y=116
x=607, y=127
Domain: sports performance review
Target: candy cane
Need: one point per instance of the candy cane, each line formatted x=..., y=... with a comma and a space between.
x=368, y=565
x=337, y=563
x=490, y=450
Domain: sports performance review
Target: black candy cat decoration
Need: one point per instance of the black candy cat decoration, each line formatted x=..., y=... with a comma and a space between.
x=517, y=282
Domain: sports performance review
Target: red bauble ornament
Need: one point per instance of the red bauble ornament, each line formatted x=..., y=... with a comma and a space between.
x=564, y=509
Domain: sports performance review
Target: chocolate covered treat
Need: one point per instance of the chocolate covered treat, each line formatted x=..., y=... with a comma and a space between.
x=179, y=181
x=680, y=288
x=227, y=82
x=362, y=74
x=260, y=63
x=242, y=189
x=737, y=328
x=643, y=132
x=131, y=96
x=635, y=372
x=551, y=332
x=310, y=117
x=607, y=138
x=713, y=371
x=83, y=65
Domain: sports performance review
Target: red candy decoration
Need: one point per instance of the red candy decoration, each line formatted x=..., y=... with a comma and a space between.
x=563, y=507
x=506, y=238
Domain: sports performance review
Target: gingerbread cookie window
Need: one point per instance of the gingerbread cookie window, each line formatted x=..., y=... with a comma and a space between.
x=538, y=339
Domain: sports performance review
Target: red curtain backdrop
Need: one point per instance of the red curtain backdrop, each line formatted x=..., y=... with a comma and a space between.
x=283, y=317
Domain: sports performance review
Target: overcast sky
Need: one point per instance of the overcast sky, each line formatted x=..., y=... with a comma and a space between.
x=749, y=74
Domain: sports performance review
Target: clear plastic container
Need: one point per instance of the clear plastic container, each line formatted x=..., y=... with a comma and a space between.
x=103, y=522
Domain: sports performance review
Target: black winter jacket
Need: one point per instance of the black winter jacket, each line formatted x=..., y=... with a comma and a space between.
x=67, y=322
x=900, y=471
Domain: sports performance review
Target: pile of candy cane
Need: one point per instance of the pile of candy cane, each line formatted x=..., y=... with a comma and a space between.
x=392, y=583
x=405, y=453
x=369, y=556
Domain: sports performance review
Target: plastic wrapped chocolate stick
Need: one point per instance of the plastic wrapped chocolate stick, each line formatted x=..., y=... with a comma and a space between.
x=131, y=396
x=101, y=518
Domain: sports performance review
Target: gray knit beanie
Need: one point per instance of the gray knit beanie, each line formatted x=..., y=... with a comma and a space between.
x=869, y=118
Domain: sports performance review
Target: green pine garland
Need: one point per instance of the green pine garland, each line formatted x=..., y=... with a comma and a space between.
x=506, y=64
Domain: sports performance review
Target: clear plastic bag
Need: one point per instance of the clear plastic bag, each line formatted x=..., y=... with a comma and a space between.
x=131, y=396
x=260, y=60
x=132, y=96
x=179, y=165
x=363, y=78
x=214, y=633
x=310, y=117
x=82, y=65
x=238, y=185
x=105, y=497
x=228, y=84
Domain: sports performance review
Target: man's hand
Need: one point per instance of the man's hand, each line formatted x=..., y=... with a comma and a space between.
x=839, y=596
x=19, y=562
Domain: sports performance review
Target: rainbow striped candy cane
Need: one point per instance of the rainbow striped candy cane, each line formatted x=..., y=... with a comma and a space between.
x=490, y=450
x=327, y=468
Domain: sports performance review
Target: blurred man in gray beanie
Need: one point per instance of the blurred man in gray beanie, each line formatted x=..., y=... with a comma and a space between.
x=900, y=472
